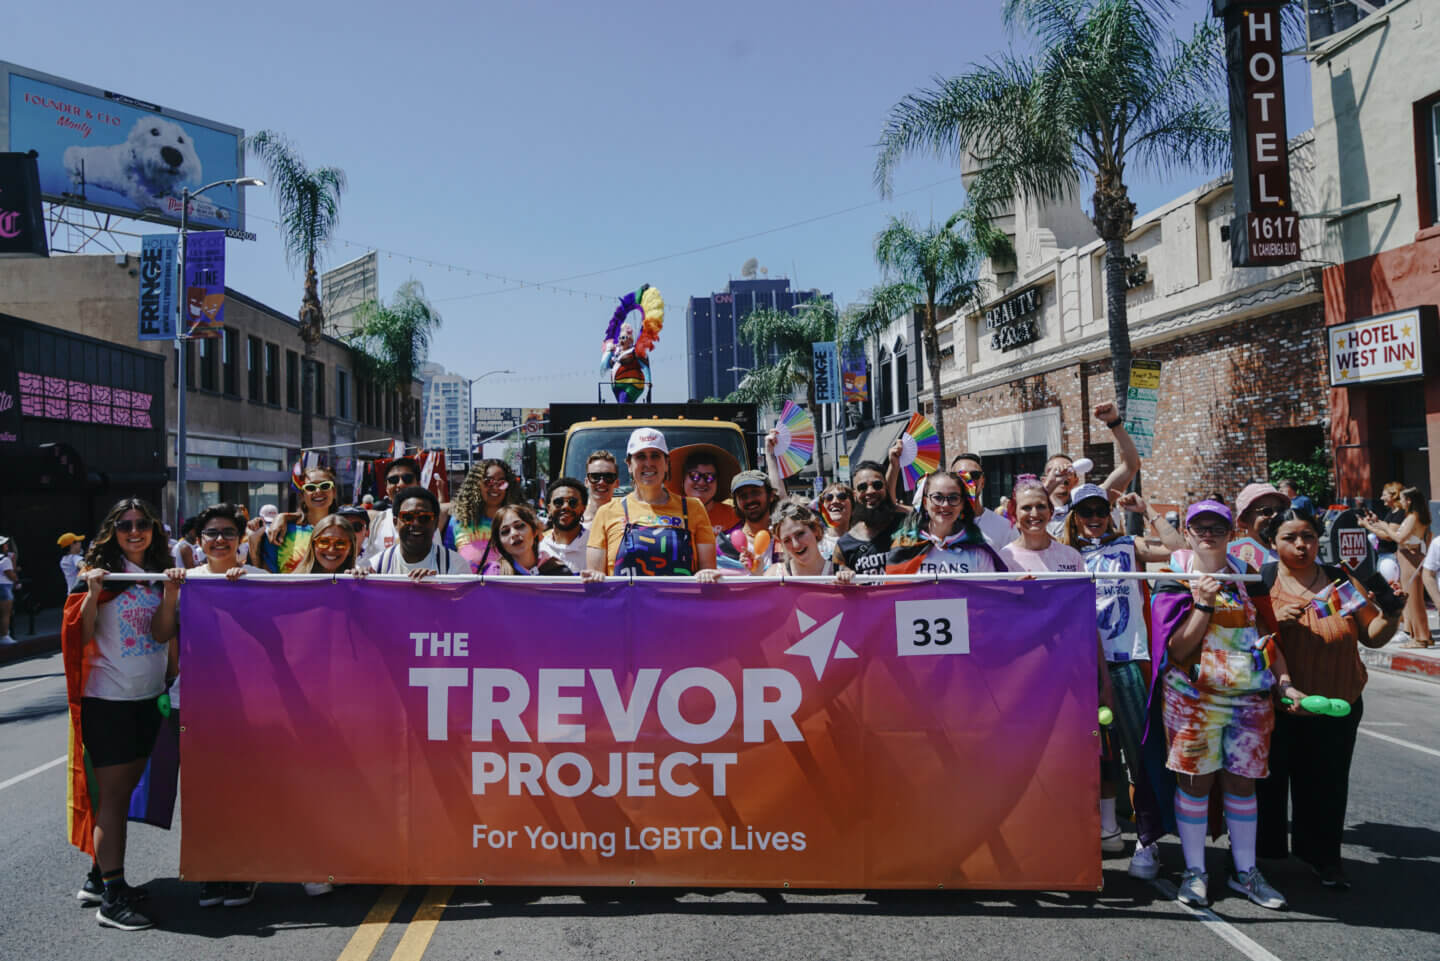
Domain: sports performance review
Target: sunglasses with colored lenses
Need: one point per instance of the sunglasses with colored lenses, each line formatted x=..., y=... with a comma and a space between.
x=940, y=500
x=1092, y=513
x=395, y=480
x=603, y=477
x=417, y=517
x=332, y=544
x=1210, y=530
x=835, y=496
x=701, y=477
x=142, y=525
x=317, y=487
x=864, y=486
x=499, y=483
x=216, y=533
x=565, y=502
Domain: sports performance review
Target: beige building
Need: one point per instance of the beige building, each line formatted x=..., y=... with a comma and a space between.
x=244, y=400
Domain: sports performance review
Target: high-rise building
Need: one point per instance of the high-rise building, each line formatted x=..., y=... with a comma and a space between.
x=446, y=413
x=714, y=322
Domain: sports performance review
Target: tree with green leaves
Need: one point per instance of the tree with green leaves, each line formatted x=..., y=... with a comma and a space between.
x=396, y=337
x=1108, y=87
x=309, y=202
x=927, y=268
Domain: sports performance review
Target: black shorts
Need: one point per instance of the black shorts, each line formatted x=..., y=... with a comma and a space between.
x=118, y=732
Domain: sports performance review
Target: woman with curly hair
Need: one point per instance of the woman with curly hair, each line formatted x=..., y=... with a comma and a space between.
x=120, y=651
x=517, y=541
x=487, y=488
x=281, y=548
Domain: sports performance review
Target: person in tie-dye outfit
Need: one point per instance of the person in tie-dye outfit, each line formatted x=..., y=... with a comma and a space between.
x=1215, y=678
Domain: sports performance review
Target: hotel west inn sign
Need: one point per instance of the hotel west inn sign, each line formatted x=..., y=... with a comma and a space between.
x=1376, y=349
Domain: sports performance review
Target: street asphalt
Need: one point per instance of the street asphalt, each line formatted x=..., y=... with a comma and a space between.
x=1392, y=855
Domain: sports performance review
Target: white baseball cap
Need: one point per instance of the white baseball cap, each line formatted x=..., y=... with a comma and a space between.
x=643, y=438
x=269, y=512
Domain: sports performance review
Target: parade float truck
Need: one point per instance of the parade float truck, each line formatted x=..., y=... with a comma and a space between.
x=577, y=430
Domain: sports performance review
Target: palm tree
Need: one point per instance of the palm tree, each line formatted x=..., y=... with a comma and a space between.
x=1105, y=89
x=396, y=337
x=309, y=202
x=928, y=268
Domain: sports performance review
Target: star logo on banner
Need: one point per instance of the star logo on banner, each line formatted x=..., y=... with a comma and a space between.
x=819, y=643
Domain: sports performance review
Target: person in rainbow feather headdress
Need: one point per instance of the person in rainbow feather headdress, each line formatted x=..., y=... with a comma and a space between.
x=624, y=357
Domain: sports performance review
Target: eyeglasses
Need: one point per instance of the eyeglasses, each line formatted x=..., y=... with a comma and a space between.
x=498, y=482
x=864, y=486
x=835, y=496
x=395, y=480
x=940, y=500
x=603, y=477
x=331, y=544
x=701, y=477
x=565, y=502
x=317, y=487
x=141, y=525
x=417, y=517
x=1092, y=513
x=216, y=533
x=1210, y=530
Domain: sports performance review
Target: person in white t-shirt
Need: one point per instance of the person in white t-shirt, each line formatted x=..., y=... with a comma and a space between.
x=1429, y=570
x=183, y=550
x=416, y=554
x=8, y=580
x=1035, y=549
x=568, y=535
x=997, y=530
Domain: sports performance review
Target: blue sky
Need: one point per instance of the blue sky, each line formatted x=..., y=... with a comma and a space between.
x=546, y=141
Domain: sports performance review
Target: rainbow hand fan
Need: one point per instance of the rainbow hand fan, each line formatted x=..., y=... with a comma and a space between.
x=919, y=449
x=797, y=438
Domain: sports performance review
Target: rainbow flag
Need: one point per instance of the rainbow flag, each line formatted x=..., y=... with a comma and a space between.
x=1339, y=598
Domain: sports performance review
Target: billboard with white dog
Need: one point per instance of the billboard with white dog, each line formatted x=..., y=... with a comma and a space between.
x=108, y=152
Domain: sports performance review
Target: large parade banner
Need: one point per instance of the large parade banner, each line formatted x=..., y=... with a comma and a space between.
x=915, y=735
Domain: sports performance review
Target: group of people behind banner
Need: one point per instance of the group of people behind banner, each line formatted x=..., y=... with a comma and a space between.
x=1248, y=690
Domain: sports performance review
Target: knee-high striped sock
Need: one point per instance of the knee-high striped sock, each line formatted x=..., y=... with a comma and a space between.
x=1192, y=814
x=1241, y=815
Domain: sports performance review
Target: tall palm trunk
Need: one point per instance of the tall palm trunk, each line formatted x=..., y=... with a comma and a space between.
x=932, y=363
x=1114, y=215
x=311, y=324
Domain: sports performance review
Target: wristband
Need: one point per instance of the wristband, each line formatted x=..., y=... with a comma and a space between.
x=1112, y=424
x=1207, y=608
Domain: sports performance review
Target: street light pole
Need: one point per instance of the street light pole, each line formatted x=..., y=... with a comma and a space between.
x=182, y=335
x=470, y=416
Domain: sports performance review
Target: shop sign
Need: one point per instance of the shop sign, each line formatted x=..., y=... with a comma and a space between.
x=825, y=371
x=1012, y=321
x=1142, y=401
x=1353, y=547
x=1376, y=349
x=158, y=253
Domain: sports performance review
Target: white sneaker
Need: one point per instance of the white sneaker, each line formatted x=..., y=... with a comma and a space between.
x=1145, y=862
x=7, y=639
x=316, y=888
x=1194, y=888
x=1113, y=843
x=1254, y=886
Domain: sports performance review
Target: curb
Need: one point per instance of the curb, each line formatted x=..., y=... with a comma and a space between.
x=1398, y=662
x=30, y=647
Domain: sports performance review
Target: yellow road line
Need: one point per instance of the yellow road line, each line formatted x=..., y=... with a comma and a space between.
x=422, y=927
x=368, y=934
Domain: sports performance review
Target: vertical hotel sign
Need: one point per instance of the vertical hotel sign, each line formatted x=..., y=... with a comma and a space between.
x=157, y=286
x=1266, y=229
x=825, y=368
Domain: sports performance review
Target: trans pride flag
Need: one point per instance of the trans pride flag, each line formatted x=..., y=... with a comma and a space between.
x=1341, y=597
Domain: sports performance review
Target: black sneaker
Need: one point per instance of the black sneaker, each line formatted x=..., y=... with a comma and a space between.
x=240, y=893
x=120, y=912
x=93, y=890
x=212, y=893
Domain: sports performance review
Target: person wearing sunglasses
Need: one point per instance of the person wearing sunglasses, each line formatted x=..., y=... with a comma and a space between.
x=997, y=529
x=1090, y=528
x=566, y=540
x=417, y=554
x=941, y=537
x=488, y=486
x=517, y=536
x=702, y=471
x=836, y=504
x=1060, y=478
x=1255, y=505
x=119, y=643
x=400, y=473
x=602, y=473
x=874, y=519
x=334, y=548
x=1215, y=675
x=283, y=544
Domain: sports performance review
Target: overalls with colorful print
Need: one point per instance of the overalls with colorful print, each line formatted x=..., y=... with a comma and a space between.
x=656, y=550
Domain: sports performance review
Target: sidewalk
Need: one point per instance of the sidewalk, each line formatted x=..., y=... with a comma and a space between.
x=45, y=639
x=1418, y=662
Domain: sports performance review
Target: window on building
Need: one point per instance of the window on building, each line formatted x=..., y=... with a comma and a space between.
x=292, y=380
x=256, y=362
x=902, y=380
x=272, y=374
x=1427, y=136
x=342, y=392
x=209, y=363
x=885, y=389
x=320, y=389
x=230, y=362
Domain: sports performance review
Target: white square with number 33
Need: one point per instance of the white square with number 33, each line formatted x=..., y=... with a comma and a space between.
x=927, y=628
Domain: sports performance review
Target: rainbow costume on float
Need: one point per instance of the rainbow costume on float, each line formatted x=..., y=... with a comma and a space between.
x=626, y=364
